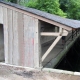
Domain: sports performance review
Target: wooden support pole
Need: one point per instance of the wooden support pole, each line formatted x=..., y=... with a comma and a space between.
x=50, y=48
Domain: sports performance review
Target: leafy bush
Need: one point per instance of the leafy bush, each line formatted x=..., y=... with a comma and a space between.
x=50, y=6
x=71, y=7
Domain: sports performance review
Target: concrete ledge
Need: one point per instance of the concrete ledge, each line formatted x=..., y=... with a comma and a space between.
x=18, y=67
x=11, y=72
x=58, y=71
x=61, y=71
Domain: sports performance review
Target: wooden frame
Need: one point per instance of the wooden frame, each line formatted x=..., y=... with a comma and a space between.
x=16, y=29
x=50, y=48
x=59, y=34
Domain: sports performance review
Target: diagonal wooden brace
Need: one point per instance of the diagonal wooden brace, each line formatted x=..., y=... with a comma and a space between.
x=50, y=48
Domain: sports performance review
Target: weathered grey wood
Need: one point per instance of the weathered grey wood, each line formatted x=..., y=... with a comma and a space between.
x=29, y=40
x=37, y=45
x=22, y=36
x=10, y=36
x=65, y=33
x=21, y=39
x=50, y=33
x=1, y=15
x=15, y=39
x=26, y=46
x=50, y=48
x=5, y=25
x=56, y=29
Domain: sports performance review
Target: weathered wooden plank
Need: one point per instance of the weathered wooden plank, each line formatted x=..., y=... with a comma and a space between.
x=5, y=26
x=15, y=39
x=26, y=45
x=53, y=34
x=37, y=45
x=65, y=32
x=1, y=15
x=29, y=40
x=50, y=34
x=50, y=48
x=10, y=36
x=21, y=39
x=56, y=29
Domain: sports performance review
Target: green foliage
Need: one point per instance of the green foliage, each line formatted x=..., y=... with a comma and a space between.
x=50, y=6
x=31, y=4
x=71, y=7
x=65, y=8
x=13, y=1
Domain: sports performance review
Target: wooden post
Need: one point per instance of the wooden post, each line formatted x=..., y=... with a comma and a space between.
x=37, y=46
x=10, y=36
x=15, y=39
x=5, y=25
x=56, y=29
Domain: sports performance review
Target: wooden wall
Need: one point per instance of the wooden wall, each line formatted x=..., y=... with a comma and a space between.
x=20, y=37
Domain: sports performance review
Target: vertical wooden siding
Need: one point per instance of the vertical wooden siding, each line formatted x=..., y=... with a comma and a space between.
x=15, y=39
x=10, y=35
x=1, y=15
x=20, y=38
x=29, y=25
x=5, y=25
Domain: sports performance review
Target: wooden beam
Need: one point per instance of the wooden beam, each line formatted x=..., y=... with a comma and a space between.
x=49, y=34
x=10, y=35
x=65, y=34
x=15, y=47
x=37, y=45
x=53, y=34
x=50, y=48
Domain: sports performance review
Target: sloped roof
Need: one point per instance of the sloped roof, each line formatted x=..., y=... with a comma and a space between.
x=68, y=22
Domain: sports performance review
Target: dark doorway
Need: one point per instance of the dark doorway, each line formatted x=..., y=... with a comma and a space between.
x=2, y=58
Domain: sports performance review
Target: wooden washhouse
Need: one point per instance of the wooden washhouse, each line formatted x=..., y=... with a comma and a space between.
x=33, y=38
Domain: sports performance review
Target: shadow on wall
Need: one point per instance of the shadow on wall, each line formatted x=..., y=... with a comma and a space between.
x=2, y=58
